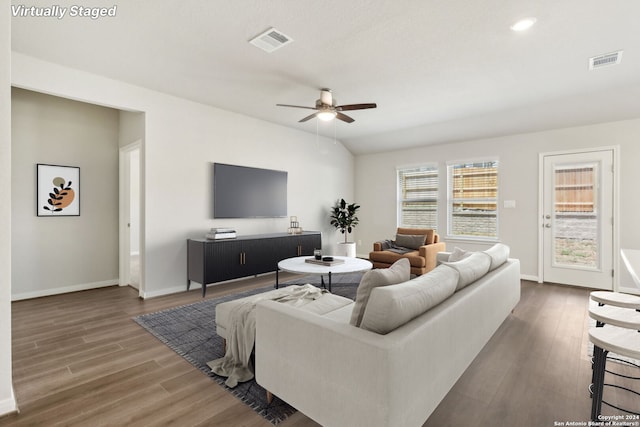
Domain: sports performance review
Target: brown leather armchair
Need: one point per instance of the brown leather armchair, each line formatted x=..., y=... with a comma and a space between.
x=422, y=257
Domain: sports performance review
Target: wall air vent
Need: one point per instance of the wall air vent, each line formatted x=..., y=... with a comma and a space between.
x=605, y=60
x=271, y=40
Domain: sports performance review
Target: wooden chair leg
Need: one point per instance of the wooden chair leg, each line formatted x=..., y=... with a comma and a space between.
x=269, y=397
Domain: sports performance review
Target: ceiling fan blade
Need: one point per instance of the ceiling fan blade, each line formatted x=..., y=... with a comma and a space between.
x=355, y=107
x=309, y=117
x=344, y=117
x=296, y=106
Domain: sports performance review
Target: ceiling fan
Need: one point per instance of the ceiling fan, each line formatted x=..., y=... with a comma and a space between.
x=326, y=108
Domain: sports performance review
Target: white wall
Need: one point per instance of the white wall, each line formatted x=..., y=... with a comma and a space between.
x=63, y=254
x=7, y=399
x=181, y=140
x=518, y=155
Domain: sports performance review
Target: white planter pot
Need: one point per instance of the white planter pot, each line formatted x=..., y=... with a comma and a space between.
x=347, y=249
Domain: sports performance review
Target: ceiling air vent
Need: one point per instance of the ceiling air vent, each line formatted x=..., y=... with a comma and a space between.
x=271, y=40
x=605, y=60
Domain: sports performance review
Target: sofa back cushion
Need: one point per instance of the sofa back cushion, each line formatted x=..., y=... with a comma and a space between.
x=499, y=254
x=400, y=271
x=470, y=268
x=392, y=306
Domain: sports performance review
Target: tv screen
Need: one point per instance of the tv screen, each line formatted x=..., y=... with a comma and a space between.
x=245, y=192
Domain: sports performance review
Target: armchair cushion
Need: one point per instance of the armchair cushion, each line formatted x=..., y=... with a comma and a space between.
x=411, y=241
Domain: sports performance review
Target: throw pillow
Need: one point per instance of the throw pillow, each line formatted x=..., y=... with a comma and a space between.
x=392, y=306
x=499, y=254
x=471, y=268
x=458, y=254
x=411, y=241
x=400, y=271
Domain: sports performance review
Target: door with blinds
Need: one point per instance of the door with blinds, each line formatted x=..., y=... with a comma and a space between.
x=577, y=222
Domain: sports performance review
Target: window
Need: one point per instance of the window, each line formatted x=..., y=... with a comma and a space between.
x=473, y=199
x=418, y=197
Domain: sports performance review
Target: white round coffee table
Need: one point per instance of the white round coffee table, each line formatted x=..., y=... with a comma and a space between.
x=342, y=264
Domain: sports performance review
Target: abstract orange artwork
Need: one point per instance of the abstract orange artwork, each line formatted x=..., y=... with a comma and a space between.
x=58, y=192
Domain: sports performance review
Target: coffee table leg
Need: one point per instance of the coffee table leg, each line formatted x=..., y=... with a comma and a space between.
x=329, y=282
x=277, y=276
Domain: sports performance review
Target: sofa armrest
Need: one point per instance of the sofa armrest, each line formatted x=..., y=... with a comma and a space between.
x=442, y=257
x=377, y=246
x=430, y=254
x=314, y=363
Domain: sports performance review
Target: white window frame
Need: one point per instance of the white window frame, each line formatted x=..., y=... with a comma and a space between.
x=451, y=166
x=427, y=167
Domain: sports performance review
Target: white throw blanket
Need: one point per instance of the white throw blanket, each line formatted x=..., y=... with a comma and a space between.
x=236, y=363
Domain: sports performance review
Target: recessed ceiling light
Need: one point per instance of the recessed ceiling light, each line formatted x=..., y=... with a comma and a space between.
x=523, y=24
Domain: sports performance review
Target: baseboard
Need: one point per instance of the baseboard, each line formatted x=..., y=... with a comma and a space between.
x=64, y=290
x=8, y=406
x=169, y=291
x=529, y=277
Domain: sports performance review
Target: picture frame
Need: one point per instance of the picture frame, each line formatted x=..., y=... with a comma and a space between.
x=58, y=190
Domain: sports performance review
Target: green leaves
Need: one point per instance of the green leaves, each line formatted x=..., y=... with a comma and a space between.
x=343, y=216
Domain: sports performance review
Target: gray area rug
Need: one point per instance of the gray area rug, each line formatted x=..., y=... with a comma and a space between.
x=190, y=331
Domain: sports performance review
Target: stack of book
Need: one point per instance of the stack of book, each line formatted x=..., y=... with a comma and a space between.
x=294, y=226
x=221, y=233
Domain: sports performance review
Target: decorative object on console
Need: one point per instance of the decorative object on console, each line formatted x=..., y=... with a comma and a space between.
x=221, y=233
x=58, y=192
x=294, y=226
x=343, y=217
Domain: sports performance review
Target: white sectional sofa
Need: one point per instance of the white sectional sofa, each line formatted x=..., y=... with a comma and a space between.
x=339, y=374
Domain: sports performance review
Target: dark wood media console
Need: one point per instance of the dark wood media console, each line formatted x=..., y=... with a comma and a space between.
x=212, y=261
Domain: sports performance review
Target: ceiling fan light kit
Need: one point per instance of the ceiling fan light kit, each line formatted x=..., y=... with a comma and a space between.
x=326, y=116
x=524, y=24
x=326, y=108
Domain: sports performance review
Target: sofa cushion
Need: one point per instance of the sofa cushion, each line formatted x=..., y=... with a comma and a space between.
x=327, y=303
x=499, y=254
x=411, y=241
x=399, y=272
x=392, y=306
x=458, y=254
x=470, y=268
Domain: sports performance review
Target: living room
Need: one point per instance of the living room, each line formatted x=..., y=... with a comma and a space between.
x=181, y=138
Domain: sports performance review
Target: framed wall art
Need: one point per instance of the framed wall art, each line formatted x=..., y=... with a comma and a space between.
x=58, y=190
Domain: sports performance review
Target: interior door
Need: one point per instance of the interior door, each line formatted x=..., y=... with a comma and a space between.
x=577, y=223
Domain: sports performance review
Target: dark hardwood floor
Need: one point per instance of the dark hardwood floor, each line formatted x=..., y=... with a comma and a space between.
x=79, y=360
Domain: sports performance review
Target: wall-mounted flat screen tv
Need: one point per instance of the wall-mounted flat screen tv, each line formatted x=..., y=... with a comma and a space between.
x=246, y=192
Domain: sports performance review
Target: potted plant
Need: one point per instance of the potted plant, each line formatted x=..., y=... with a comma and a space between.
x=343, y=217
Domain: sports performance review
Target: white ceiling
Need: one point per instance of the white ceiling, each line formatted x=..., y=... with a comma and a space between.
x=439, y=70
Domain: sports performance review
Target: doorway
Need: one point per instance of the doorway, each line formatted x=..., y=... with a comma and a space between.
x=130, y=224
x=577, y=218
